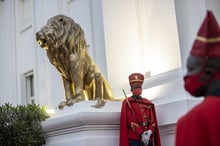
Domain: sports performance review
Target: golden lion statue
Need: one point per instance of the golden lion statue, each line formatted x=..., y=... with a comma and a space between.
x=66, y=48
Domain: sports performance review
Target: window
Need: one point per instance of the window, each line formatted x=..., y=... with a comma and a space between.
x=143, y=36
x=29, y=87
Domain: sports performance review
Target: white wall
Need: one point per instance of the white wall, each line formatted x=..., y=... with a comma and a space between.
x=8, y=68
x=150, y=39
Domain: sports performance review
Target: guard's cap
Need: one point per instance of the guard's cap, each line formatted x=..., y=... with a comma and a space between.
x=207, y=42
x=136, y=79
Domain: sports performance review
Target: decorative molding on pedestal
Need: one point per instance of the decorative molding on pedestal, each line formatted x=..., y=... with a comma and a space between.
x=169, y=129
x=167, y=134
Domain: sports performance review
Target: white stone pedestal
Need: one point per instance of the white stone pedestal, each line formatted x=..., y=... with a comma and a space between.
x=84, y=125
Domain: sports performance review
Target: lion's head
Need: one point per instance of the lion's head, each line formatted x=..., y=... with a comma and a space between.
x=61, y=32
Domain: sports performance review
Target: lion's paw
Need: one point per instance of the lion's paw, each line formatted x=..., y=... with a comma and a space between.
x=70, y=102
x=74, y=100
x=62, y=104
x=100, y=103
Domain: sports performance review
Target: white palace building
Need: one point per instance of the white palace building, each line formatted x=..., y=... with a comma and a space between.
x=152, y=37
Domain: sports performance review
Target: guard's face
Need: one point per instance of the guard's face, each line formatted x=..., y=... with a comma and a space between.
x=192, y=80
x=194, y=65
x=136, y=90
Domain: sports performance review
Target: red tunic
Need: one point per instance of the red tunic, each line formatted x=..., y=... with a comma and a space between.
x=201, y=126
x=133, y=125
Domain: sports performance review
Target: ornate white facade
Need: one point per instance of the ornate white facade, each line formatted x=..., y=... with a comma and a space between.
x=125, y=36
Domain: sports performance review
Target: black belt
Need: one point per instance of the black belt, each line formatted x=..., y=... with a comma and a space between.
x=144, y=124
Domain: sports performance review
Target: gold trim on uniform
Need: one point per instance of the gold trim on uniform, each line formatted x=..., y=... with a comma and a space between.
x=136, y=80
x=208, y=40
x=132, y=126
x=154, y=124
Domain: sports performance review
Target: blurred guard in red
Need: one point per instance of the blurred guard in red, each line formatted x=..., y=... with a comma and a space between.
x=201, y=125
x=138, y=124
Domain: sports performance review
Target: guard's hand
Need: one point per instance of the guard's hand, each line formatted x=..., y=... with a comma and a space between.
x=145, y=137
x=149, y=132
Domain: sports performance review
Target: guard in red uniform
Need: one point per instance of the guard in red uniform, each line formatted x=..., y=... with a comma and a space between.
x=201, y=125
x=138, y=124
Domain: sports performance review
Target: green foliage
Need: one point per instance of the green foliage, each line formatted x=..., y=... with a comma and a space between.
x=21, y=125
